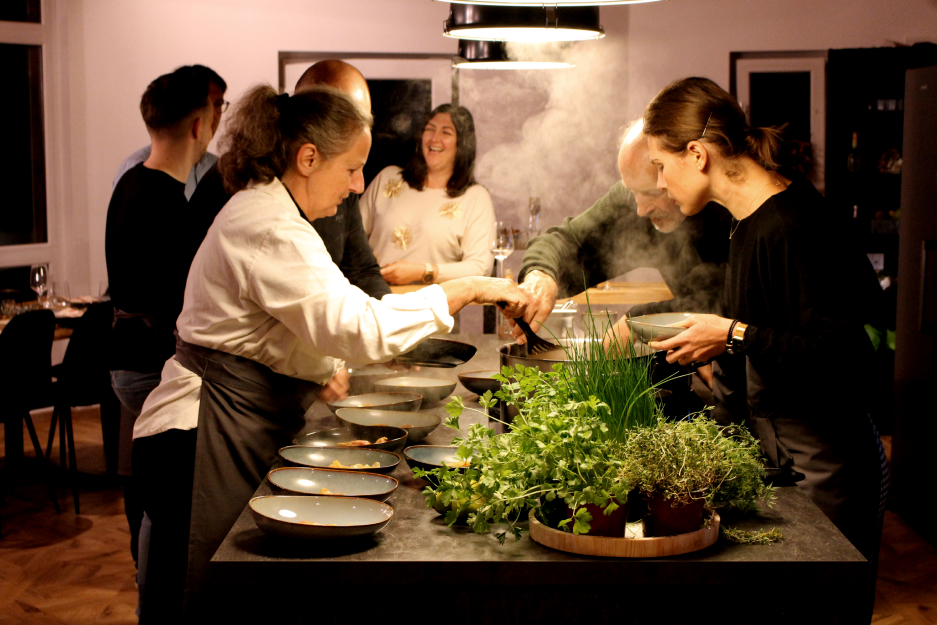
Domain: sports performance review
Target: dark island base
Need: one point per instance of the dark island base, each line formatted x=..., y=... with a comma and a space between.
x=465, y=600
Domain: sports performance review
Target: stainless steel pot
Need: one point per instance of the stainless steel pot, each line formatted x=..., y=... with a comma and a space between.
x=513, y=354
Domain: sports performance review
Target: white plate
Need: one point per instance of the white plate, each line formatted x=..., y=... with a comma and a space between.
x=657, y=327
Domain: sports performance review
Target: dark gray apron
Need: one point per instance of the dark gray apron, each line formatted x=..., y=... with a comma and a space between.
x=246, y=414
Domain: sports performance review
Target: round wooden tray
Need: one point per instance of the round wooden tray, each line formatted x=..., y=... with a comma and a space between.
x=633, y=545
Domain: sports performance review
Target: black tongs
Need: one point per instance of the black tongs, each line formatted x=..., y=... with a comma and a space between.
x=535, y=344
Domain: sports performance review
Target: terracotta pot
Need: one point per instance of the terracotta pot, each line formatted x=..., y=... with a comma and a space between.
x=664, y=519
x=602, y=525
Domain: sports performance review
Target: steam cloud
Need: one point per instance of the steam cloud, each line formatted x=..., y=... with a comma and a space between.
x=552, y=134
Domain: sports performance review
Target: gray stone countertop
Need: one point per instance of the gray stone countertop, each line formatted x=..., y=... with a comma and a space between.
x=417, y=544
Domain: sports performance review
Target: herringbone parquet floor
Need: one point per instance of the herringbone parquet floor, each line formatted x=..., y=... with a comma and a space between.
x=77, y=570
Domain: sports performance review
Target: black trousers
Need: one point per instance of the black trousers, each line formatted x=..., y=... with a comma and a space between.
x=163, y=467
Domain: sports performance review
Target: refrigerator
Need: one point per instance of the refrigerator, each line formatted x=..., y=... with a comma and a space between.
x=914, y=461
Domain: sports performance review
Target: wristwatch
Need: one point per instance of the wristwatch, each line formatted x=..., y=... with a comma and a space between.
x=429, y=275
x=735, y=337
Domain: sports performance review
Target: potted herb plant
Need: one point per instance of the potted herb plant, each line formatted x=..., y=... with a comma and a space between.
x=682, y=466
x=557, y=450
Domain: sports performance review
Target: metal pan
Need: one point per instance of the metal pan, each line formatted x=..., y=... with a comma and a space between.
x=436, y=352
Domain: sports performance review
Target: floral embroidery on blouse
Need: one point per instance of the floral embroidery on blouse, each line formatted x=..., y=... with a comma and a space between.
x=401, y=237
x=393, y=187
x=452, y=210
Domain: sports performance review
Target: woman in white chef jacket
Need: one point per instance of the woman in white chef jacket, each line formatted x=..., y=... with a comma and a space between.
x=431, y=222
x=267, y=321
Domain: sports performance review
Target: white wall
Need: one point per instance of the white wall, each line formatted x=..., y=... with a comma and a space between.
x=116, y=47
x=107, y=51
x=679, y=38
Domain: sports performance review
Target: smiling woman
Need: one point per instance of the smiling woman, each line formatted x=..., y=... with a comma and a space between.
x=430, y=221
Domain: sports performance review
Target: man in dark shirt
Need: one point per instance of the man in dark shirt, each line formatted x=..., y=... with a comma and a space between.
x=342, y=233
x=150, y=241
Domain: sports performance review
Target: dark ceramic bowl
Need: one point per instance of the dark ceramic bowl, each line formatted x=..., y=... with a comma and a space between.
x=318, y=518
x=429, y=457
x=417, y=424
x=480, y=381
x=405, y=402
x=657, y=327
x=329, y=483
x=432, y=389
x=437, y=352
x=361, y=379
x=396, y=437
x=325, y=457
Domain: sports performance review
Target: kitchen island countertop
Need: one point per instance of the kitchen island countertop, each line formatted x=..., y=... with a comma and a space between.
x=814, y=572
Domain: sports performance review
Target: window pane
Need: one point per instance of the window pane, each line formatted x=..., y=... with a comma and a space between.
x=23, y=218
x=20, y=11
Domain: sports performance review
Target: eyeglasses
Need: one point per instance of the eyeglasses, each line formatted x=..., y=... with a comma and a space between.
x=222, y=104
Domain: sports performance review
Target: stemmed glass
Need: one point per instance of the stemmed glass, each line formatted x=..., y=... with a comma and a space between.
x=502, y=244
x=39, y=279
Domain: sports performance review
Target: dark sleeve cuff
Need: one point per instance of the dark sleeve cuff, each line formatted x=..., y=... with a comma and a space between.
x=750, y=340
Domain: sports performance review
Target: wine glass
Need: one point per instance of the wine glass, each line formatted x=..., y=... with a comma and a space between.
x=502, y=244
x=39, y=279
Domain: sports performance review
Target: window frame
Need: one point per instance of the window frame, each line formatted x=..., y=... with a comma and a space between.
x=41, y=35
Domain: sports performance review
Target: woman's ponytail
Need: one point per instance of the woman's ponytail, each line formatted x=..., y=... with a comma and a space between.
x=763, y=145
x=250, y=147
x=266, y=131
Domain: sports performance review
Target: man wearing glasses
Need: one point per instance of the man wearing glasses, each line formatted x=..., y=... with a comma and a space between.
x=152, y=235
x=216, y=91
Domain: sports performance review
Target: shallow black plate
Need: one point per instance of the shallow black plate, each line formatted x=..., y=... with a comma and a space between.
x=436, y=352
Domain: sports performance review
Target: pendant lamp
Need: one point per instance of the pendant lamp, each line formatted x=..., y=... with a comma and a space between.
x=548, y=3
x=526, y=24
x=492, y=55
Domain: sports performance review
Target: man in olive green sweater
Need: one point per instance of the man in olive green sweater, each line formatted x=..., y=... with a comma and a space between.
x=634, y=225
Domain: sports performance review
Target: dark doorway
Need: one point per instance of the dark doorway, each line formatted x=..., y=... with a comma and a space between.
x=23, y=218
x=399, y=107
x=783, y=99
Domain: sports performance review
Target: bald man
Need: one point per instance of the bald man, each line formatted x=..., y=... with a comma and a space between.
x=342, y=233
x=634, y=225
x=339, y=75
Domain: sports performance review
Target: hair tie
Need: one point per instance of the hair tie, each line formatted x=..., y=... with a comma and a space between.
x=708, y=119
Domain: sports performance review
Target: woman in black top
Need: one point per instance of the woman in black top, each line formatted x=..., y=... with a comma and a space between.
x=794, y=352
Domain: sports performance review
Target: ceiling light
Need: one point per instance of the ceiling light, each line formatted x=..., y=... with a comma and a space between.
x=545, y=3
x=526, y=24
x=492, y=55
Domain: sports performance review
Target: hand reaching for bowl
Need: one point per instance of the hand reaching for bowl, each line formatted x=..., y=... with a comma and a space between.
x=541, y=291
x=337, y=388
x=478, y=290
x=704, y=339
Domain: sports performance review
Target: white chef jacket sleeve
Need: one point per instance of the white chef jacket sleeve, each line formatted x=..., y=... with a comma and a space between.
x=294, y=280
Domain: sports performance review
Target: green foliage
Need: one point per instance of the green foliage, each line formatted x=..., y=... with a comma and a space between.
x=751, y=537
x=558, y=448
x=619, y=378
x=697, y=458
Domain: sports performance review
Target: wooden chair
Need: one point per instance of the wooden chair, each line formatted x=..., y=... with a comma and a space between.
x=26, y=381
x=83, y=379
